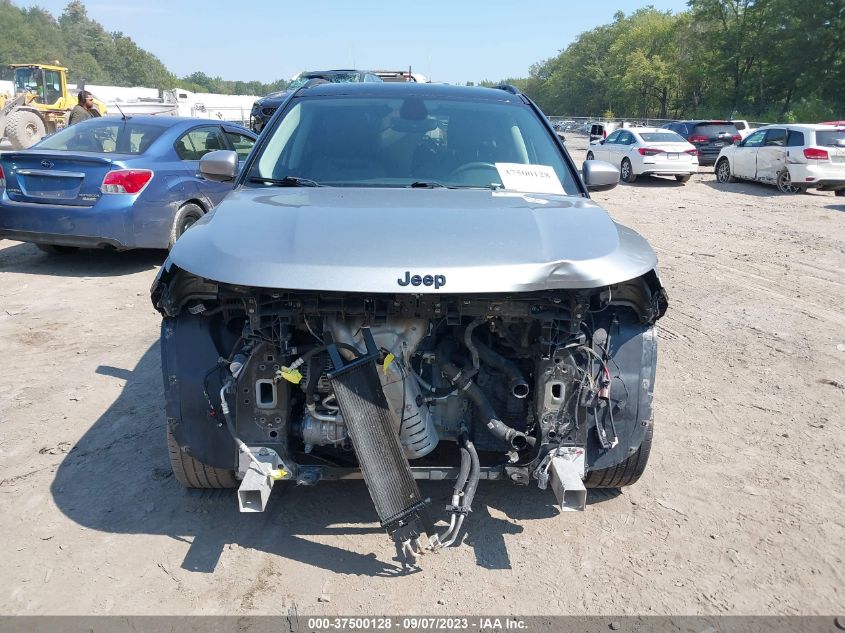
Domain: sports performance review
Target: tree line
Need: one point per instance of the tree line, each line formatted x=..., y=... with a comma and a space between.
x=765, y=60
x=94, y=56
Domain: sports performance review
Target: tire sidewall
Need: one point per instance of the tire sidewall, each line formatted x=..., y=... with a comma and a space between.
x=187, y=211
x=723, y=171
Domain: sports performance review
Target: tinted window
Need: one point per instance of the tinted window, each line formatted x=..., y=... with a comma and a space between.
x=111, y=136
x=205, y=140
x=242, y=144
x=185, y=148
x=625, y=138
x=833, y=138
x=795, y=139
x=662, y=137
x=715, y=129
x=776, y=138
x=384, y=142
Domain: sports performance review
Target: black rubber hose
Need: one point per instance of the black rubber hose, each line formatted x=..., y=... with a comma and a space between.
x=323, y=348
x=474, y=476
x=466, y=462
x=516, y=439
x=314, y=371
x=517, y=383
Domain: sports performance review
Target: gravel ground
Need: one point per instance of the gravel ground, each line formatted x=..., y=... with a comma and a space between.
x=739, y=512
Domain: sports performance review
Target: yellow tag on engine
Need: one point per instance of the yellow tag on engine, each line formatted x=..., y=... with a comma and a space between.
x=291, y=375
x=387, y=360
x=278, y=474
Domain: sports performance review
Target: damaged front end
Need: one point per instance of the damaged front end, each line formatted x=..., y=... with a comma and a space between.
x=550, y=386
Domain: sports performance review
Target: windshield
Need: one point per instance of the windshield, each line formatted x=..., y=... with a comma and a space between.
x=110, y=136
x=832, y=138
x=27, y=79
x=388, y=142
x=662, y=137
x=335, y=78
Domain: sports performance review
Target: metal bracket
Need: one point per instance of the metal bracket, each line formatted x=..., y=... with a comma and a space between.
x=567, y=478
x=254, y=491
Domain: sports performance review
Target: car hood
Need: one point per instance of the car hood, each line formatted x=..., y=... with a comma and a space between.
x=274, y=98
x=389, y=240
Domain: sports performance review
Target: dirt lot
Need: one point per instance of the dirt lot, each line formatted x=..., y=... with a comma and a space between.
x=740, y=510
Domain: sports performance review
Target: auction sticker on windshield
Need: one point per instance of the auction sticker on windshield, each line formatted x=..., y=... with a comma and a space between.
x=529, y=178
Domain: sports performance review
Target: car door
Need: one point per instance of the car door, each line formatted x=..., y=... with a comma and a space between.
x=623, y=147
x=771, y=157
x=193, y=145
x=606, y=150
x=745, y=155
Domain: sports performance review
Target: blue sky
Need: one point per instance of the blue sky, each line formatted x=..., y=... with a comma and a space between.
x=453, y=41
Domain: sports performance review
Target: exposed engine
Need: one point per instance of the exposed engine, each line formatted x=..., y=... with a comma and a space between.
x=551, y=386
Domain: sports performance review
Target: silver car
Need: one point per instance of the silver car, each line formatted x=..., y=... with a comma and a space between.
x=409, y=281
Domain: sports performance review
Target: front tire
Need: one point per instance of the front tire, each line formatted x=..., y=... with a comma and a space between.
x=24, y=129
x=590, y=156
x=839, y=193
x=626, y=171
x=723, y=171
x=194, y=474
x=627, y=472
x=683, y=179
x=185, y=218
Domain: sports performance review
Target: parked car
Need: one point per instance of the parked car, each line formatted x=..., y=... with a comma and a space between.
x=401, y=267
x=112, y=182
x=742, y=127
x=266, y=106
x=646, y=151
x=394, y=76
x=601, y=129
x=708, y=137
x=793, y=157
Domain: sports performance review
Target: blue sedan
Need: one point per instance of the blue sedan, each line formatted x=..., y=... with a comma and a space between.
x=114, y=183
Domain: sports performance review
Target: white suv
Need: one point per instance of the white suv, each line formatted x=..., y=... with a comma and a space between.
x=793, y=157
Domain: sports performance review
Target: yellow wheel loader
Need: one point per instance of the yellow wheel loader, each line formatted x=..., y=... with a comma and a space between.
x=40, y=106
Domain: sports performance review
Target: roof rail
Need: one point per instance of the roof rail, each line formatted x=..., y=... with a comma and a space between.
x=507, y=88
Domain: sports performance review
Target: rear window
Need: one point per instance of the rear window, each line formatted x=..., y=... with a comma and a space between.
x=106, y=136
x=715, y=129
x=662, y=137
x=795, y=139
x=832, y=138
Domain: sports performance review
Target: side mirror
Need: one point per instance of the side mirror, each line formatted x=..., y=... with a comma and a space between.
x=599, y=175
x=220, y=165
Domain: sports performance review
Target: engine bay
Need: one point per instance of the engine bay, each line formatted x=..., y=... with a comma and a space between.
x=519, y=386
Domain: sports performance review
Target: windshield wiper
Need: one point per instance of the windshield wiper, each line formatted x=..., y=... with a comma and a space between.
x=287, y=181
x=427, y=184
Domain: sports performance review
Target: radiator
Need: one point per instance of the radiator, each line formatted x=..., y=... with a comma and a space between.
x=394, y=491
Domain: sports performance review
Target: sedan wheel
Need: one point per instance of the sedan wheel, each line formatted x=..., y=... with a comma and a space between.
x=626, y=172
x=590, y=156
x=785, y=183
